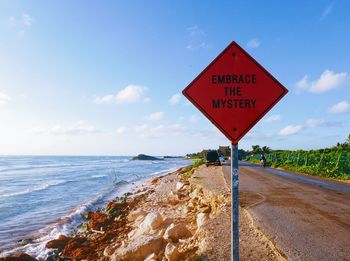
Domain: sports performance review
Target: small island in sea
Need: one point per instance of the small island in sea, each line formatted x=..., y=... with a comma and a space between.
x=145, y=157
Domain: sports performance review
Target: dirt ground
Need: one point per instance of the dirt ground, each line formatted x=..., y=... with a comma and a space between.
x=254, y=245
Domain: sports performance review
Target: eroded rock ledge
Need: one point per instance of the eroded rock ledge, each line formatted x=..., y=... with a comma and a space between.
x=181, y=216
x=161, y=221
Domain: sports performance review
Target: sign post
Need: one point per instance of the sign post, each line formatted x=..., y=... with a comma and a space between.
x=234, y=92
x=234, y=203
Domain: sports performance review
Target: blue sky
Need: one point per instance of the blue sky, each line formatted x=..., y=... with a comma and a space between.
x=105, y=77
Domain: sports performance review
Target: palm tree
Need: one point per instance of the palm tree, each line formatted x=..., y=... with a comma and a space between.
x=266, y=150
x=348, y=140
x=256, y=149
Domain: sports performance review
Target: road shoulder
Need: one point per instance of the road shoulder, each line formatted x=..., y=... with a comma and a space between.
x=254, y=245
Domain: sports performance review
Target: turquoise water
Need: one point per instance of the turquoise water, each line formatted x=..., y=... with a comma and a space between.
x=42, y=197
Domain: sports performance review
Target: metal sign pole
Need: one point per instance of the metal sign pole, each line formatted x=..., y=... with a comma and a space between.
x=234, y=204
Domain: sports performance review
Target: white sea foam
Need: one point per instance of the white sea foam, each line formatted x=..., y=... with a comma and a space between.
x=38, y=187
x=98, y=176
x=89, y=178
x=67, y=223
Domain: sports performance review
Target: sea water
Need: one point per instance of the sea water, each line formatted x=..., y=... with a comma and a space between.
x=42, y=197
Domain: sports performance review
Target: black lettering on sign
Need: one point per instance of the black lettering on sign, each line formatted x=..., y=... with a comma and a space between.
x=233, y=91
x=233, y=78
x=216, y=104
x=233, y=104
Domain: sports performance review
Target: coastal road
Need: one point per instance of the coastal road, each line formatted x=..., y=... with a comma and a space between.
x=306, y=218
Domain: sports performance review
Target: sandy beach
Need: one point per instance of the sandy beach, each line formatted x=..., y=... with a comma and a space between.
x=179, y=216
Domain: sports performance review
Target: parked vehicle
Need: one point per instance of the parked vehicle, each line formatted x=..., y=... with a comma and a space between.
x=222, y=159
x=213, y=158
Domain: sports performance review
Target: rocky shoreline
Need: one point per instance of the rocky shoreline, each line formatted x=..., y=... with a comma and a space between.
x=172, y=217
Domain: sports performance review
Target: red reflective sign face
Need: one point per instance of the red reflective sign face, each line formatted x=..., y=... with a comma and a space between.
x=234, y=92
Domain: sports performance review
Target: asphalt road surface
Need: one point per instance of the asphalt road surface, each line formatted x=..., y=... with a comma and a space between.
x=307, y=218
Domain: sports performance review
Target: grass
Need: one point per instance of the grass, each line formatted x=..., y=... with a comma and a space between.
x=314, y=170
x=188, y=171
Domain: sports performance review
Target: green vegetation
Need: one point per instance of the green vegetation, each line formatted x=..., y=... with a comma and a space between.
x=331, y=162
x=198, y=155
x=188, y=171
x=195, y=164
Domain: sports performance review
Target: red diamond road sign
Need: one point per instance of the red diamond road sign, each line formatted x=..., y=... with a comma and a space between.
x=234, y=92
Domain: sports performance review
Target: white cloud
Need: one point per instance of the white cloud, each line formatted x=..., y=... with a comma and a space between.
x=4, y=98
x=12, y=20
x=327, y=11
x=194, y=119
x=340, y=107
x=23, y=21
x=146, y=100
x=105, y=99
x=312, y=123
x=290, y=130
x=273, y=118
x=253, y=43
x=130, y=94
x=207, y=134
x=121, y=130
x=309, y=123
x=21, y=24
x=148, y=131
x=156, y=116
x=27, y=20
x=37, y=130
x=197, y=38
x=78, y=128
x=187, y=103
x=175, y=99
x=303, y=83
x=328, y=81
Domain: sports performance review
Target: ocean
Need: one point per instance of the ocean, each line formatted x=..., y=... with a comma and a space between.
x=42, y=197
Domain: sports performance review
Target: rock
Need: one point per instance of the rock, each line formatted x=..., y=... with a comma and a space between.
x=80, y=253
x=155, y=180
x=114, y=209
x=186, y=182
x=139, y=249
x=145, y=157
x=18, y=257
x=152, y=221
x=58, y=243
x=135, y=214
x=204, y=209
x=109, y=250
x=194, y=201
x=175, y=232
x=161, y=232
x=151, y=257
x=190, y=204
x=179, y=186
x=150, y=224
x=196, y=193
x=172, y=252
x=75, y=248
x=98, y=220
x=173, y=201
x=127, y=194
x=182, y=195
x=186, y=210
x=25, y=241
x=201, y=218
